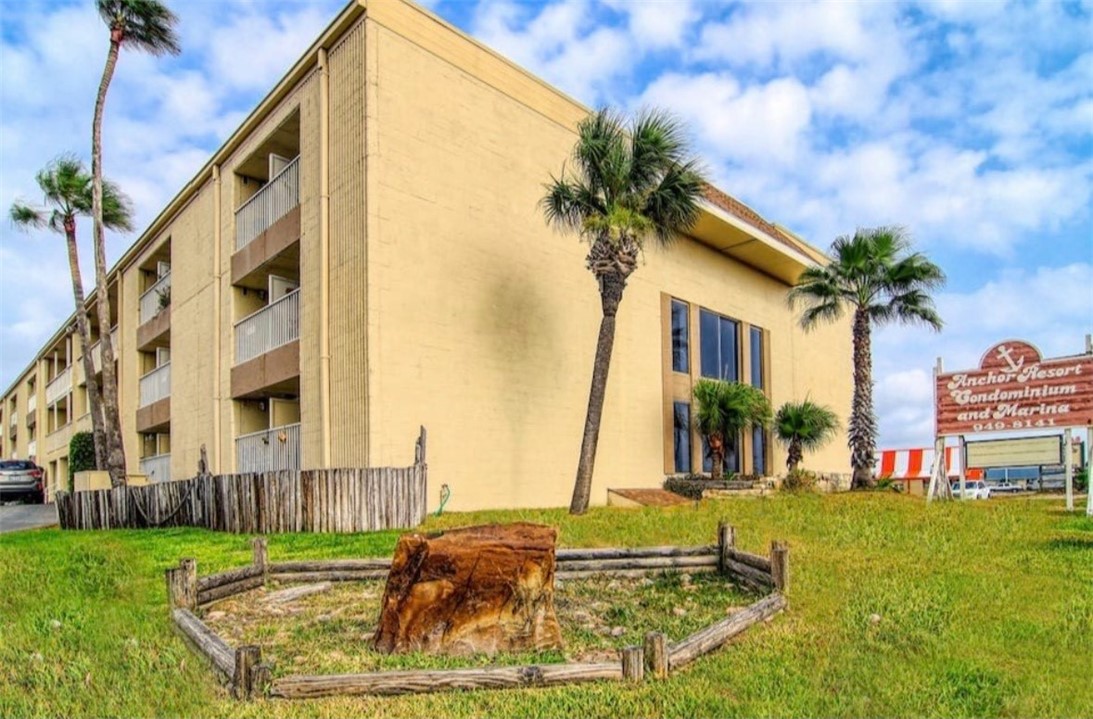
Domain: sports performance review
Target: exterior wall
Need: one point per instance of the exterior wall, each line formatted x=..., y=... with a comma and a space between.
x=483, y=322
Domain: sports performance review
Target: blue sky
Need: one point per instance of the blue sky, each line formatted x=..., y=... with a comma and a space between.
x=970, y=123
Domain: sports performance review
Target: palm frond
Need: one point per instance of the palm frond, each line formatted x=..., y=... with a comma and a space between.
x=26, y=217
x=146, y=25
x=812, y=425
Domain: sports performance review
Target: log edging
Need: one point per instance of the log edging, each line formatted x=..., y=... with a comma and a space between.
x=241, y=668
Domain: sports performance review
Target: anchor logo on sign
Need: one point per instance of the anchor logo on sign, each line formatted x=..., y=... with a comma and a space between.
x=1005, y=353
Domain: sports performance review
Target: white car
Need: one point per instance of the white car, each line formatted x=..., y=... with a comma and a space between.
x=973, y=489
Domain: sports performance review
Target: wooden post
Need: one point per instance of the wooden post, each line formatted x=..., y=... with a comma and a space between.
x=419, y=448
x=182, y=585
x=247, y=659
x=1068, y=464
x=963, y=466
x=779, y=565
x=633, y=664
x=261, y=677
x=656, y=654
x=726, y=540
x=260, y=547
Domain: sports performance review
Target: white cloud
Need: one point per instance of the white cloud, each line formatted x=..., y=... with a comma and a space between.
x=658, y=24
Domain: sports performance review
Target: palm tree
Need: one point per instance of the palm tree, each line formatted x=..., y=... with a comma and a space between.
x=804, y=426
x=146, y=25
x=633, y=181
x=725, y=409
x=66, y=187
x=877, y=276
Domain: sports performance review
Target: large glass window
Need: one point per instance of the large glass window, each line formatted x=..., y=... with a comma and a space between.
x=681, y=341
x=759, y=451
x=719, y=346
x=756, y=357
x=681, y=434
x=732, y=457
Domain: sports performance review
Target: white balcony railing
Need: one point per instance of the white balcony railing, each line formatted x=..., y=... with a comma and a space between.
x=268, y=450
x=32, y=402
x=96, y=350
x=276, y=324
x=151, y=302
x=155, y=385
x=271, y=203
x=59, y=386
x=32, y=449
x=157, y=468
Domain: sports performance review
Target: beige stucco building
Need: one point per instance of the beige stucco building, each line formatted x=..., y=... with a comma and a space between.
x=366, y=254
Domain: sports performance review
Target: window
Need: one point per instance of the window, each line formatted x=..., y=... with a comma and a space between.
x=681, y=436
x=732, y=460
x=718, y=337
x=681, y=341
x=756, y=356
x=759, y=451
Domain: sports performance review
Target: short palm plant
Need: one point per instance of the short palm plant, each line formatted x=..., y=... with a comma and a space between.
x=725, y=409
x=631, y=183
x=876, y=276
x=804, y=427
x=66, y=189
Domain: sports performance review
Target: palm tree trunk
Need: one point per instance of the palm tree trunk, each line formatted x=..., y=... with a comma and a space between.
x=611, y=288
x=94, y=401
x=794, y=455
x=717, y=456
x=863, y=423
x=111, y=415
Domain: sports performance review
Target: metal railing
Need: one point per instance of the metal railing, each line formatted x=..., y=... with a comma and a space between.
x=155, y=385
x=59, y=386
x=276, y=324
x=156, y=468
x=269, y=204
x=150, y=302
x=270, y=449
x=96, y=350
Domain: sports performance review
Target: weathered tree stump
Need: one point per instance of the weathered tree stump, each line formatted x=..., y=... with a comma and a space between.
x=478, y=589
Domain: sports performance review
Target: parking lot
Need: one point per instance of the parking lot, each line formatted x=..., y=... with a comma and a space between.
x=14, y=517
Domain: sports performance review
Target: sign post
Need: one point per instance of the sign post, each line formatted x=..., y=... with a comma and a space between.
x=1014, y=389
x=1068, y=464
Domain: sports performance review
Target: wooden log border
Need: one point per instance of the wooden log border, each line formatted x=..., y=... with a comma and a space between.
x=241, y=668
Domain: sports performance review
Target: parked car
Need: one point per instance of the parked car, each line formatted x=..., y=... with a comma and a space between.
x=21, y=479
x=973, y=489
x=1005, y=487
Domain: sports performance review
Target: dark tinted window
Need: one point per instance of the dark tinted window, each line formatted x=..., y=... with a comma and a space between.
x=17, y=464
x=756, y=357
x=759, y=451
x=681, y=347
x=732, y=461
x=681, y=436
x=719, y=338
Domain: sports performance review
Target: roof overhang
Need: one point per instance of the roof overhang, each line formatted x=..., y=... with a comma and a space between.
x=728, y=234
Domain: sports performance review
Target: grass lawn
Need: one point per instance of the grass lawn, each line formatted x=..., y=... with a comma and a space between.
x=985, y=609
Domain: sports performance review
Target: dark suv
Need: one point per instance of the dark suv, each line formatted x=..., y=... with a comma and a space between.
x=21, y=479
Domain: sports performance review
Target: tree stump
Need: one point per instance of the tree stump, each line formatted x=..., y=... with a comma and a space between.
x=479, y=589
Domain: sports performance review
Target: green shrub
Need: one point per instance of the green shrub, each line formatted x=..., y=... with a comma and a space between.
x=1081, y=479
x=81, y=455
x=800, y=480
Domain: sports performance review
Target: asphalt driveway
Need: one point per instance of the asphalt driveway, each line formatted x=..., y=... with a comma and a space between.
x=14, y=517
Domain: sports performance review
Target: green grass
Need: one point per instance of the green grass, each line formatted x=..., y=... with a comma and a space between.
x=986, y=609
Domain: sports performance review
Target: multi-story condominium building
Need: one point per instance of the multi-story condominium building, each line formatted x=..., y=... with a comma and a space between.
x=366, y=254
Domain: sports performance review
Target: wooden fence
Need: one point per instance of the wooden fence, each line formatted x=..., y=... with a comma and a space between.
x=317, y=500
x=242, y=668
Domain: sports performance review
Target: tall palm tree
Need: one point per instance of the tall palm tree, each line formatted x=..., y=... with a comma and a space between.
x=725, y=409
x=633, y=181
x=148, y=26
x=804, y=426
x=66, y=188
x=876, y=275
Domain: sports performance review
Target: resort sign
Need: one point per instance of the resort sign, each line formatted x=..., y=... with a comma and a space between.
x=1015, y=389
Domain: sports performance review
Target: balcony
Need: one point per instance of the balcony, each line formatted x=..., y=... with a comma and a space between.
x=96, y=350
x=13, y=425
x=58, y=440
x=156, y=385
x=276, y=324
x=156, y=468
x=32, y=449
x=275, y=200
x=32, y=402
x=155, y=315
x=269, y=450
x=59, y=386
